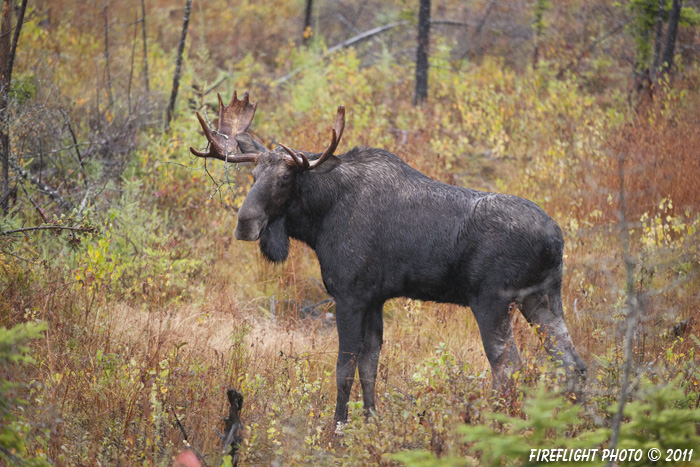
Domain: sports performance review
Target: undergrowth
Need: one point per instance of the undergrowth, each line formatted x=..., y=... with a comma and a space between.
x=156, y=310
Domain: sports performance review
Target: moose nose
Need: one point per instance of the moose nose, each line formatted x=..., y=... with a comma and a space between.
x=248, y=227
x=248, y=231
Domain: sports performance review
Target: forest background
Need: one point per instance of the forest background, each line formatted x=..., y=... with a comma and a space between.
x=127, y=309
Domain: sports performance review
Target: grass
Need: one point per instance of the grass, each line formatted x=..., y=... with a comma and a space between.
x=153, y=317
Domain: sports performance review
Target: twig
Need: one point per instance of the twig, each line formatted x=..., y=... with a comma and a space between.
x=179, y=425
x=187, y=441
x=76, y=145
x=65, y=148
x=47, y=227
x=83, y=203
x=5, y=252
x=215, y=85
x=449, y=22
x=36, y=206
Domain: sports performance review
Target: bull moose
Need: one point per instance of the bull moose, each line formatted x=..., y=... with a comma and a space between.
x=381, y=229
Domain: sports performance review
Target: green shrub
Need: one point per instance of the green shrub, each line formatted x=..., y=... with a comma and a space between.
x=13, y=427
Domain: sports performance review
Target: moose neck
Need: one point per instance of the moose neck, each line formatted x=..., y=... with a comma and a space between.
x=315, y=195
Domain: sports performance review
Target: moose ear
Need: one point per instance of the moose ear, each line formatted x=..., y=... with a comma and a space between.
x=329, y=164
x=246, y=143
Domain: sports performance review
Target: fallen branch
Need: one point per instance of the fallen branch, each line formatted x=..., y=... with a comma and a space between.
x=364, y=36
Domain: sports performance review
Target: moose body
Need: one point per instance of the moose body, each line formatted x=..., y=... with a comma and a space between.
x=381, y=229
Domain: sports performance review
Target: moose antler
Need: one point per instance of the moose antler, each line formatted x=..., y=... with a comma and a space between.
x=233, y=119
x=301, y=161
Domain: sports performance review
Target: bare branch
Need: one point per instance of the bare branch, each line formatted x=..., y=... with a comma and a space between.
x=47, y=227
x=53, y=194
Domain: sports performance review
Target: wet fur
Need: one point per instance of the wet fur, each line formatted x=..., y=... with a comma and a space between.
x=274, y=241
x=381, y=229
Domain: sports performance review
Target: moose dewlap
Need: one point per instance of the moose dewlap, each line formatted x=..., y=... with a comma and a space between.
x=381, y=229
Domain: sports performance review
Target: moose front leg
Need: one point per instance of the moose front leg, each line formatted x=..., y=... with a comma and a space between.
x=368, y=361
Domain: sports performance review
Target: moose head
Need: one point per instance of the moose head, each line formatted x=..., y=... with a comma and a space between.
x=273, y=175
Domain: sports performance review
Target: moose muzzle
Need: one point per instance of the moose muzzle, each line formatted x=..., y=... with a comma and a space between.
x=250, y=224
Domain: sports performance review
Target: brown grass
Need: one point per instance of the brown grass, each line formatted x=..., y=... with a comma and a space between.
x=660, y=153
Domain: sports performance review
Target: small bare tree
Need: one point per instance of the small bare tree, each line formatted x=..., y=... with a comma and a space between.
x=7, y=58
x=178, y=64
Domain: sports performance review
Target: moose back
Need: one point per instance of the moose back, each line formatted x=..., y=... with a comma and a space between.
x=381, y=229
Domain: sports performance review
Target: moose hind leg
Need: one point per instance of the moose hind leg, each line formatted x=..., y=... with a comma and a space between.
x=493, y=317
x=350, y=335
x=544, y=311
x=368, y=361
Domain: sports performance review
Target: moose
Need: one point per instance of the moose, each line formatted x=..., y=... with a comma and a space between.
x=382, y=229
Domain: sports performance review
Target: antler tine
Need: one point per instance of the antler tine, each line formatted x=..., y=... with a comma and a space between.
x=337, y=132
x=219, y=146
x=340, y=122
x=301, y=161
x=234, y=118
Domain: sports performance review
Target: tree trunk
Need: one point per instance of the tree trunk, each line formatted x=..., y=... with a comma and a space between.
x=658, y=39
x=422, y=53
x=7, y=59
x=108, y=74
x=671, y=33
x=145, y=48
x=178, y=64
x=306, y=34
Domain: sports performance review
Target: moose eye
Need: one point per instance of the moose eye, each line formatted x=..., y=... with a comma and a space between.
x=285, y=177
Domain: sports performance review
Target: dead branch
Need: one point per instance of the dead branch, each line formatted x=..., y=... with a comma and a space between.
x=65, y=204
x=47, y=227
